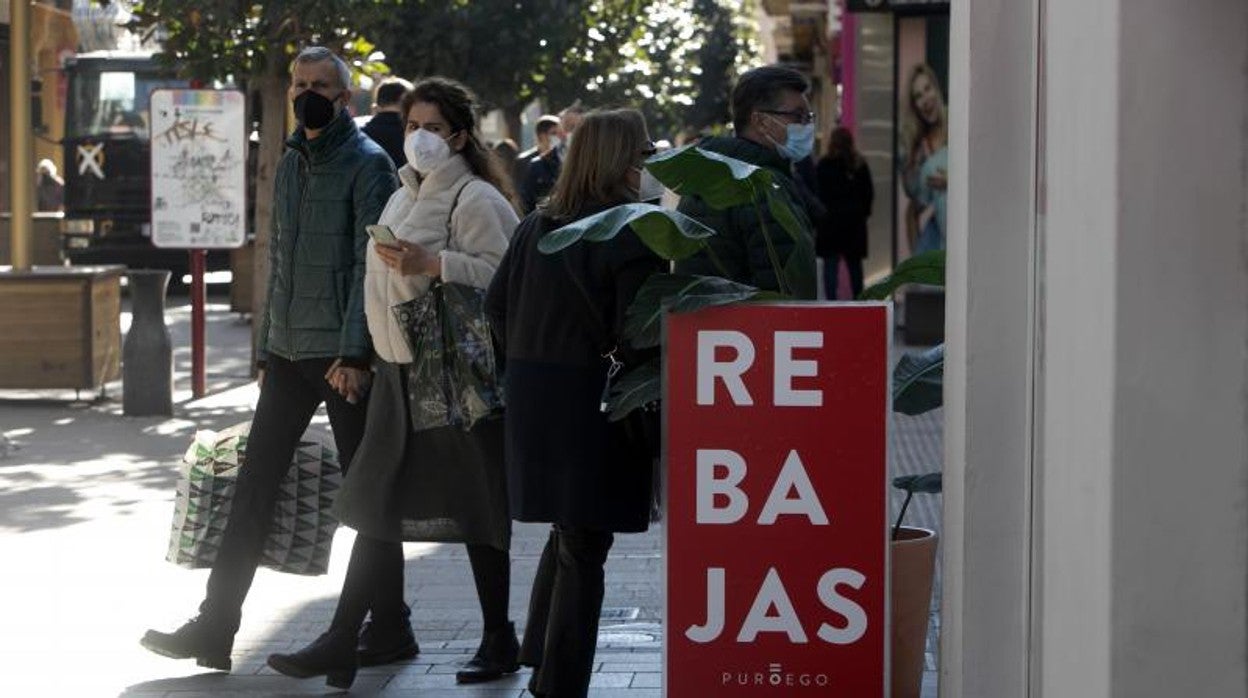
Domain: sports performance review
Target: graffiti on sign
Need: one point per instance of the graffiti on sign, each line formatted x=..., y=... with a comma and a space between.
x=198, y=169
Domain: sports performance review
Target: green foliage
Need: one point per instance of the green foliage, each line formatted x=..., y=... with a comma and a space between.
x=637, y=388
x=926, y=268
x=643, y=321
x=674, y=59
x=927, y=483
x=919, y=381
x=218, y=39
x=721, y=181
x=670, y=234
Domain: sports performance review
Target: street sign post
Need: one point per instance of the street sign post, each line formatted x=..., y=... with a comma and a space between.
x=776, y=528
x=199, y=186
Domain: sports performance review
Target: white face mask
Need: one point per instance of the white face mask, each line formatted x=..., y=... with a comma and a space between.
x=425, y=150
x=650, y=189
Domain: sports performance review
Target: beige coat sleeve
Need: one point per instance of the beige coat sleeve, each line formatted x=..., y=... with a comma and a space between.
x=481, y=227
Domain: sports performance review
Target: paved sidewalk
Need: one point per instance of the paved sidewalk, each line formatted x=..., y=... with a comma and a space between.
x=85, y=504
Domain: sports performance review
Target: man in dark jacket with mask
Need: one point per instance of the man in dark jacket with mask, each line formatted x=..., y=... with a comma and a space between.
x=386, y=126
x=313, y=344
x=774, y=129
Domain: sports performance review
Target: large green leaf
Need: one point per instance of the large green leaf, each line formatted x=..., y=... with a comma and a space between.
x=926, y=268
x=927, y=483
x=918, y=381
x=643, y=321
x=782, y=210
x=635, y=389
x=670, y=234
x=722, y=182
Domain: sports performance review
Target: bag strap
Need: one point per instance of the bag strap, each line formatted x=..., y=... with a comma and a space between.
x=608, y=336
x=450, y=234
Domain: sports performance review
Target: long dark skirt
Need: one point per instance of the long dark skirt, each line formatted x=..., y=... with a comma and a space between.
x=442, y=485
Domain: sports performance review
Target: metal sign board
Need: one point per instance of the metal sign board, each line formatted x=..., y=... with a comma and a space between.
x=199, y=169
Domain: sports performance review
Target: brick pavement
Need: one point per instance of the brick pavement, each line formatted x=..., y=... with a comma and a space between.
x=85, y=501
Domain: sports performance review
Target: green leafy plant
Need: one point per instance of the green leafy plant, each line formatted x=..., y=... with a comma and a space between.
x=721, y=181
x=927, y=483
x=918, y=379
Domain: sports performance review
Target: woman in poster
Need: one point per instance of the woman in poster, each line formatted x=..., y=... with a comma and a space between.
x=925, y=161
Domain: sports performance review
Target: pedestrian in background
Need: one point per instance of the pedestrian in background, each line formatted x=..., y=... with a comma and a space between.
x=774, y=129
x=508, y=156
x=452, y=220
x=543, y=170
x=313, y=344
x=847, y=193
x=559, y=315
x=545, y=136
x=386, y=125
x=50, y=188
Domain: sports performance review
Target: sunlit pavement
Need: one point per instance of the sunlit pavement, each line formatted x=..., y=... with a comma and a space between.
x=86, y=499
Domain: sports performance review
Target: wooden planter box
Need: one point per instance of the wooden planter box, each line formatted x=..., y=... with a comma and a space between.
x=45, y=241
x=61, y=327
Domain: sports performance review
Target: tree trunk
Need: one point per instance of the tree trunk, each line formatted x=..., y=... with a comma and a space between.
x=271, y=86
x=515, y=127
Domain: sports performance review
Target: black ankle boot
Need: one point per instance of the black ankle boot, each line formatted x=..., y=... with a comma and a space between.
x=331, y=655
x=496, y=656
x=199, y=638
x=381, y=644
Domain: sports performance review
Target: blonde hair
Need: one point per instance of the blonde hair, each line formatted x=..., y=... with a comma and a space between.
x=607, y=145
x=914, y=128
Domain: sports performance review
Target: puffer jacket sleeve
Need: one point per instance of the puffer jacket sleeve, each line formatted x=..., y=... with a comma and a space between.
x=280, y=184
x=374, y=184
x=481, y=225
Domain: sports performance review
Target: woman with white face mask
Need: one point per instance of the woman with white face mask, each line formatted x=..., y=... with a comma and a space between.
x=451, y=220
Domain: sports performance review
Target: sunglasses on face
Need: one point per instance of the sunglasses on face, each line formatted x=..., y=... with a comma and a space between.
x=799, y=116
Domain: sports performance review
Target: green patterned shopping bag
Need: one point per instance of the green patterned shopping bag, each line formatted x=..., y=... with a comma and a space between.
x=302, y=531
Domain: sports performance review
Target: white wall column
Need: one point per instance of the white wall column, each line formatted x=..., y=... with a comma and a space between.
x=1097, y=514
x=1144, y=535
x=989, y=326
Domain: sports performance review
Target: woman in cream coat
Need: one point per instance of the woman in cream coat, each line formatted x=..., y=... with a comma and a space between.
x=453, y=222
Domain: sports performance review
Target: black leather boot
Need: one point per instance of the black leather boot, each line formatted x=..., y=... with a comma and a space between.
x=331, y=655
x=384, y=644
x=199, y=638
x=496, y=656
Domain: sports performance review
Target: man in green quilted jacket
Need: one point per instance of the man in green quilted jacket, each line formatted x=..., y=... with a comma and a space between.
x=314, y=345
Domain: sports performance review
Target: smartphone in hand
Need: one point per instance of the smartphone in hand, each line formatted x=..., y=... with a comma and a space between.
x=382, y=235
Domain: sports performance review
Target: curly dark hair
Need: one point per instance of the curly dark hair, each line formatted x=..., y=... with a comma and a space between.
x=458, y=105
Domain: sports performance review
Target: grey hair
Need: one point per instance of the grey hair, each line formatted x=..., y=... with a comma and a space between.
x=316, y=54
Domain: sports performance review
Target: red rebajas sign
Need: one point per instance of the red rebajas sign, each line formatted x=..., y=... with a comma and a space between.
x=776, y=501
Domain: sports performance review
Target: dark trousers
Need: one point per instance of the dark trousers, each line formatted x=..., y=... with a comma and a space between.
x=831, y=269
x=291, y=392
x=374, y=582
x=561, y=633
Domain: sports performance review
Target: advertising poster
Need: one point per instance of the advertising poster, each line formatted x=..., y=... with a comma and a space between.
x=922, y=133
x=199, y=177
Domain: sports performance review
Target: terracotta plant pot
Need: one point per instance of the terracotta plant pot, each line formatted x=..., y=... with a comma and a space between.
x=913, y=556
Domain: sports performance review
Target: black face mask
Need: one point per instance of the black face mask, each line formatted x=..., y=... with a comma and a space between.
x=314, y=110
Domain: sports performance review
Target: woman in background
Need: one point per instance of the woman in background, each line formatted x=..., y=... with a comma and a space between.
x=560, y=316
x=925, y=163
x=844, y=186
